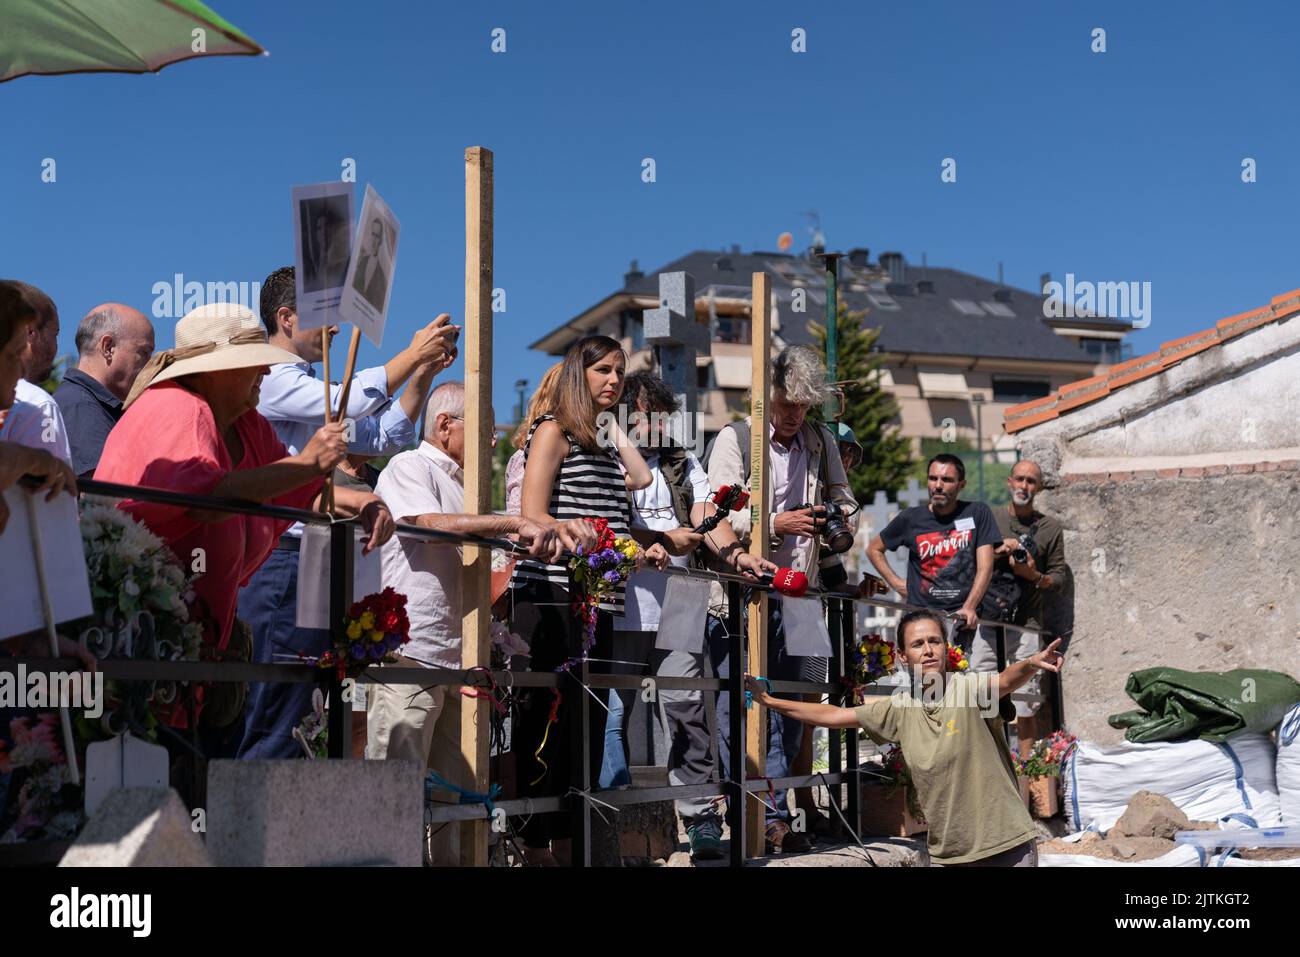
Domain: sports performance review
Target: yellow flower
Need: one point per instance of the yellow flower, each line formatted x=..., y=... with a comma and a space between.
x=376, y=636
x=354, y=631
x=367, y=621
x=962, y=665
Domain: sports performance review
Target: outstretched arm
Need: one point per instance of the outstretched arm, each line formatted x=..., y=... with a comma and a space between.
x=1015, y=676
x=821, y=715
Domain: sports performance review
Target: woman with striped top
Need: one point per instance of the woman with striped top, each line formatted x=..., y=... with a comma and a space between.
x=577, y=464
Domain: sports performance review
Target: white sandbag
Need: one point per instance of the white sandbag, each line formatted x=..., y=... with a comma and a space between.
x=1230, y=859
x=1234, y=782
x=1288, y=766
x=1179, y=857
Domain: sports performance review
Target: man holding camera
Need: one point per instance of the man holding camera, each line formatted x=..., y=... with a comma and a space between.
x=1029, y=568
x=806, y=476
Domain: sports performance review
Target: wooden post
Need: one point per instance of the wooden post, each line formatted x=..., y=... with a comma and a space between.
x=760, y=531
x=476, y=633
x=348, y=371
x=327, y=493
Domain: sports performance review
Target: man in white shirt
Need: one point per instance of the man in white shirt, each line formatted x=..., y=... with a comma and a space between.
x=425, y=487
x=34, y=419
x=677, y=500
x=293, y=401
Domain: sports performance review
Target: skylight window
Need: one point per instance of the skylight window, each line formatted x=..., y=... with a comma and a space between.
x=967, y=307
x=998, y=309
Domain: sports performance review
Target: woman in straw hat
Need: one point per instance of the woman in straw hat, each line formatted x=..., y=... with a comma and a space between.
x=191, y=425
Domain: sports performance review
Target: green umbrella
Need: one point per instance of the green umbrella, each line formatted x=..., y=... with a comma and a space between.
x=50, y=37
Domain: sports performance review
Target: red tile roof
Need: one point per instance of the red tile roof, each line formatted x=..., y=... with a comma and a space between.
x=1080, y=393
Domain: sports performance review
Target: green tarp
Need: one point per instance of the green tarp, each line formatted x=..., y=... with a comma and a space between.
x=117, y=36
x=1176, y=705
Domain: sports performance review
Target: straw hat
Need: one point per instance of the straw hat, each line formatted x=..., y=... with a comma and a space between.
x=220, y=335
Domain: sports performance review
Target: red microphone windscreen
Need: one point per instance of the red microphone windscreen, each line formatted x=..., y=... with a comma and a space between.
x=790, y=582
x=731, y=498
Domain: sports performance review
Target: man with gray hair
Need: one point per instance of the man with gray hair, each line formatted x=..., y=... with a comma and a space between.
x=805, y=469
x=1030, y=576
x=425, y=487
x=113, y=344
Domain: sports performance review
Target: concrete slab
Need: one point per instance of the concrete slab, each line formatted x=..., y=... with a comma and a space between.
x=315, y=813
x=138, y=827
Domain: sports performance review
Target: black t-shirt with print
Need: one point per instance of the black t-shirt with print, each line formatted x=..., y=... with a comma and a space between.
x=941, y=552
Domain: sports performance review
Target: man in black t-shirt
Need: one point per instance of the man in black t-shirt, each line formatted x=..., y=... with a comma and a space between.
x=949, y=546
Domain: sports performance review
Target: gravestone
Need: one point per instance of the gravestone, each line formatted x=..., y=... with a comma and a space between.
x=315, y=813
x=138, y=827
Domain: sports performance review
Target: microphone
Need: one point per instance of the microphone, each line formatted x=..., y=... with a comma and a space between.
x=788, y=582
x=729, y=498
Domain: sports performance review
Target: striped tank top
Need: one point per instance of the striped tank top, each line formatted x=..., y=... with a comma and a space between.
x=587, y=485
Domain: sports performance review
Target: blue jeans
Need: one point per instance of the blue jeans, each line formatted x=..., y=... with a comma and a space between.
x=613, y=766
x=269, y=603
x=784, y=734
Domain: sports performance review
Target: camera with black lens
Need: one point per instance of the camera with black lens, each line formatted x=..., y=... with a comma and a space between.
x=837, y=536
x=1022, y=552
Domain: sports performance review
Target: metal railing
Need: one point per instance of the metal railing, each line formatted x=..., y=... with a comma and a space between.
x=843, y=762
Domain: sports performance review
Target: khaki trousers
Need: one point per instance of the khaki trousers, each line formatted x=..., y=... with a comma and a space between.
x=406, y=722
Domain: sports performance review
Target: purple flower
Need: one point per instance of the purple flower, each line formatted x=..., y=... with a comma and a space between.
x=357, y=651
x=611, y=577
x=579, y=551
x=610, y=556
x=377, y=650
x=594, y=561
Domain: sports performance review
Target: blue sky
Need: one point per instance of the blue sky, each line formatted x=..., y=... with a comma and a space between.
x=1124, y=165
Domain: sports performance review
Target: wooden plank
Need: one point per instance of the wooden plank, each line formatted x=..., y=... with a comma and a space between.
x=760, y=531
x=476, y=634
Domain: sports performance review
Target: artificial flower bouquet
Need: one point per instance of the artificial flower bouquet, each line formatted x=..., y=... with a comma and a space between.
x=133, y=574
x=145, y=610
x=375, y=628
x=870, y=659
x=598, y=572
x=37, y=802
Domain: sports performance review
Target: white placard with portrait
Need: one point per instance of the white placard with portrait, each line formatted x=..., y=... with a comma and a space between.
x=370, y=275
x=322, y=237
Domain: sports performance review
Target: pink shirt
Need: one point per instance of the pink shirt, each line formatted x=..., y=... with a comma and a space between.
x=168, y=439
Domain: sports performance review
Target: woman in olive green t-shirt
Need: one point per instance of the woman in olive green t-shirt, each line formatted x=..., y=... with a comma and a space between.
x=951, y=737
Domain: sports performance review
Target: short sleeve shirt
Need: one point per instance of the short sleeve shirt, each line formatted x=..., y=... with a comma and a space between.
x=941, y=552
x=960, y=766
x=89, y=411
x=1049, y=559
x=425, y=481
x=168, y=440
x=652, y=508
x=35, y=421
